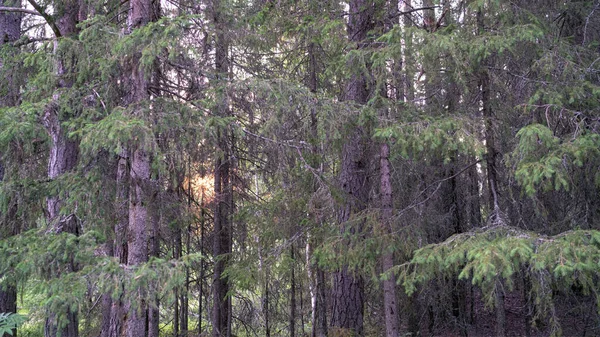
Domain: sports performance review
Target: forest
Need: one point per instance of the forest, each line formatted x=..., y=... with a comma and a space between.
x=229, y=168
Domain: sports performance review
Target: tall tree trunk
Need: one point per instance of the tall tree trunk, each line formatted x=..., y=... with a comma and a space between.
x=154, y=250
x=177, y=255
x=117, y=310
x=63, y=158
x=293, y=294
x=392, y=90
x=223, y=197
x=392, y=324
x=10, y=31
x=185, y=296
x=315, y=273
x=202, y=268
x=492, y=178
x=408, y=75
x=141, y=12
x=137, y=241
x=348, y=286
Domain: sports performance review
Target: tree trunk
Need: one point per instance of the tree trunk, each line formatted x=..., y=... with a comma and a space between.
x=136, y=322
x=8, y=303
x=408, y=75
x=154, y=250
x=348, y=287
x=10, y=31
x=392, y=324
x=63, y=158
x=495, y=217
x=117, y=311
x=202, y=268
x=223, y=197
x=137, y=242
x=315, y=273
x=293, y=294
x=500, y=309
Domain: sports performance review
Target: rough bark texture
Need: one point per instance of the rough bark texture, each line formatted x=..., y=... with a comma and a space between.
x=10, y=31
x=223, y=191
x=348, y=287
x=137, y=242
x=113, y=313
x=136, y=322
x=63, y=158
x=392, y=324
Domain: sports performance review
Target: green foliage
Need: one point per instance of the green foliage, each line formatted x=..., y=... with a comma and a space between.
x=10, y=321
x=443, y=137
x=503, y=254
x=545, y=162
x=115, y=132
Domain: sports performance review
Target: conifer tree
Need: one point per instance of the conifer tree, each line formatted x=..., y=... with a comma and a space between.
x=10, y=32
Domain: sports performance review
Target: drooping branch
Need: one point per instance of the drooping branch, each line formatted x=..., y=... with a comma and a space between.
x=39, y=10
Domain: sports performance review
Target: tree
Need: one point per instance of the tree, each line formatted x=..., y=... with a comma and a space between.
x=348, y=286
x=10, y=31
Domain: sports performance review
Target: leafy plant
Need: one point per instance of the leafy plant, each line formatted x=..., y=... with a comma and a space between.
x=10, y=321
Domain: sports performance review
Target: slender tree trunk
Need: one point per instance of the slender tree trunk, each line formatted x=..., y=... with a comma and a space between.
x=154, y=250
x=177, y=255
x=184, y=297
x=409, y=92
x=293, y=294
x=316, y=275
x=222, y=215
x=392, y=324
x=116, y=327
x=492, y=178
x=392, y=90
x=10, y=31
x=266, y=308
x=201, y=279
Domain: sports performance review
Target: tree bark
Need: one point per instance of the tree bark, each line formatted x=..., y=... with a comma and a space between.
x=10, y=31
x=495, y=217
x=63, y=157
x=392, y=324
x=136, y=323
x=223, y=190
x=154, y=250
x=315, y=273
x=137, y=242
x=114, y=309
x=348, y=287
x=293, y=294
